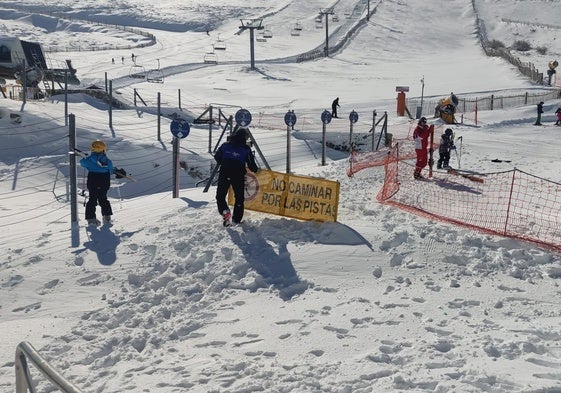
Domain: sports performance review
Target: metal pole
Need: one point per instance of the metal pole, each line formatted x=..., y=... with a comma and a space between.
x=327, y=34
x=373, y=129
x=287, y=149
x=251, y=48
x=111, y=104
x=323, y=145
x=24, y=87
x=210, y=129
x=175, y=167
x=351, y=138
x=66, y=97
x=179, y=98
x=159, y=116
x=422, y=92
x=73, y=172
x=368, y=12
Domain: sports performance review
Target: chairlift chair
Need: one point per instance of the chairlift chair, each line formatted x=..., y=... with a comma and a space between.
x=335, y=18
x=261, y=36
x=211, y=58
x=219, y=44
x=267, y=33
x=297, y=26
x=294, y=32
x=155, y=75
x=137, y=71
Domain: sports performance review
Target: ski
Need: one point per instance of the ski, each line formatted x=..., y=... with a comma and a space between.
x=468, y=176
x=119, y=172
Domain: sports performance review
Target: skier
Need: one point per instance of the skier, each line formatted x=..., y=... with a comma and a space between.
x=558, y=113
x=334, y=106
x=540, y=111
x=233, y=156
x=100, y=168
x=421, y=137
x=446, y=145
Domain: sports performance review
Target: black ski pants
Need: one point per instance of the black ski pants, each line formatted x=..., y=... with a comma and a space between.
x=237, y=181
x=98, y=185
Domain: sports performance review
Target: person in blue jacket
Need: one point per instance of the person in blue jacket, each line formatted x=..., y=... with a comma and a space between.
x=233, y=156
x=100, y=169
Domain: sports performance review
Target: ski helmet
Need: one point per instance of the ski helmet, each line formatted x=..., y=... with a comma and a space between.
x=448, y=131
x=98, y=146
x=423, y=120
x=241, y=134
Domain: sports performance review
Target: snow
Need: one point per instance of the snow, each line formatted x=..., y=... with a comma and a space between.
x=167, y=300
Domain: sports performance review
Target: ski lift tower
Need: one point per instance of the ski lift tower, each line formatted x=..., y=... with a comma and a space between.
x=251, y=24
x=326, y=12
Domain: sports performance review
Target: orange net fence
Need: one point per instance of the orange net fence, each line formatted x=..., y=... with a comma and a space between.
x=511, y=204
x=401, y=137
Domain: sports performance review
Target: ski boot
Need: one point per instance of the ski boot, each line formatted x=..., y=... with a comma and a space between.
x=226, y=215
x=93, y=222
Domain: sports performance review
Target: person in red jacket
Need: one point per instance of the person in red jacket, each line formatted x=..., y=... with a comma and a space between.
x=421, y=138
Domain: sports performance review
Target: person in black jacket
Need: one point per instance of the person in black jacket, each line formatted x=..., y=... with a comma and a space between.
x=334, y=106
x=446, y=145
x=233, y=156
x=539, y=112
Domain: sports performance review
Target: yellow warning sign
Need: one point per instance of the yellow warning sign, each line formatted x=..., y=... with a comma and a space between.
x=302, y=197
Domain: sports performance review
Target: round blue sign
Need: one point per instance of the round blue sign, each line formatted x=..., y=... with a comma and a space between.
x=326, y=117
x=353, y=117
x=179, y=128
x=290, y=118
x=243, y=117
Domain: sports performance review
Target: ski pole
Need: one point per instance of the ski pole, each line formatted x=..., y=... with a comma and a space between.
x=459, y=155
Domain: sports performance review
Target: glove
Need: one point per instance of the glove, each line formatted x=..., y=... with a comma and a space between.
x=119, y=173
x=453, y=147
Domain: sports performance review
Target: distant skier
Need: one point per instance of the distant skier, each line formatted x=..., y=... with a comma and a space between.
x=446, y=145
x=233, y=156
x=100, y=168
x=558, y=113
x=334, y=106
x=539, y=112
x=421, y=138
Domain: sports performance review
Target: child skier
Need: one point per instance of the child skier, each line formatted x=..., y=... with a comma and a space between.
x=100, y=169
x=446, y=145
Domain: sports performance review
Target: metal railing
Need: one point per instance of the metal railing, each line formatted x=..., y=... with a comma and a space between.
x=25, y=352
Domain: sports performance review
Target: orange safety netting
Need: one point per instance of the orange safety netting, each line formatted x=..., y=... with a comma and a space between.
x=513, y=204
